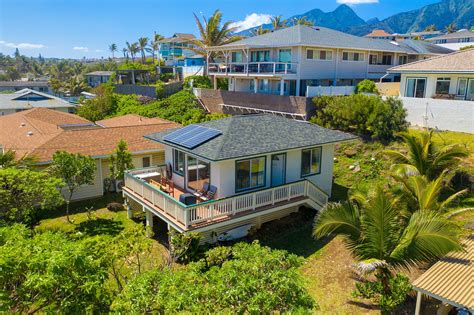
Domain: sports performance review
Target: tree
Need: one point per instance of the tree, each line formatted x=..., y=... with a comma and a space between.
x=75, y=170
x=17, y=53
x=259, y=31
x=424, y=157
x=125, y=53
x=303, y=21
x=113, y=49
x=120, y=160
x=142, y=44
x=23, y=190
x=366, y=86
x=277, y=22
x=382, y=239
x=451, y=27
x=133, y=49
x=213, y=34
x=8, y=159
x=430, y=28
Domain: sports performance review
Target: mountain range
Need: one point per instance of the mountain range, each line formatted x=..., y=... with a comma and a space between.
x=343, y=18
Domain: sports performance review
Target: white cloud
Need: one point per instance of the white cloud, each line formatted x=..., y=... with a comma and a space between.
x=22, y=45
x=81, y=48
x=99, y=50
x=357, y=1
x=252, y=20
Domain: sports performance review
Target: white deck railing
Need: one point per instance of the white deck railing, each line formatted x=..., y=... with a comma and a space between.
x=189, y=215
x=267, y=67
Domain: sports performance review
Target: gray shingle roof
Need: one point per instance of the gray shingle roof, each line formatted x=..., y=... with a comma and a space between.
x=423, y=47
x=257, y=134
x=458, y=34
x=24, y=83
x=301, y=35
x=27, y=99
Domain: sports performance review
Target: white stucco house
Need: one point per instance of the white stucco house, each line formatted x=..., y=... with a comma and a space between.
x=27, y=99
x=455, y=40
x=259, y=167
x=289, y=60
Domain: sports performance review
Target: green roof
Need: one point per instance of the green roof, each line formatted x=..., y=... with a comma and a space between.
x=249, y=135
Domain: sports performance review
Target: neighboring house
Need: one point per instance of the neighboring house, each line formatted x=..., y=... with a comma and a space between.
x=260, y=168
x=41, y=132
x=454, y=41
x=289, y=60
x=450, y=281
x=449, y=76
x=96, y=78
x=40, y=86
x=175, y=48
x=27, y=99
x=380, y=34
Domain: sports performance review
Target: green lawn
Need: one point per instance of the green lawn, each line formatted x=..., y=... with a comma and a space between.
x=327, y=270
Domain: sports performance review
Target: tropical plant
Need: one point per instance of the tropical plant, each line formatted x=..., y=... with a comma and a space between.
x=451, y=27
x=22, y=191
x=259, y=31
x=8, y=159
x=125, y=53
x=278, y=22
x=424, y=157
x=113, y=49
x=366, y=86
x=213, y=33
x=302, y=21
x=155, y=46
x=430, y=28
x=382, y=238
x=142, y=45
x=133, y=49
x=120, y=160
x=76, y=170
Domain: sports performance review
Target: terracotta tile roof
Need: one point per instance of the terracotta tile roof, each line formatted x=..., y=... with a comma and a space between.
x=378, y=33
x=457, y=62
x=42, y=132
x=452, y=277
x=131, y=120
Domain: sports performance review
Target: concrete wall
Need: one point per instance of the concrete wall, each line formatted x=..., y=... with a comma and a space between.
x=146, y=90
x=442, y=114
x=290, y=104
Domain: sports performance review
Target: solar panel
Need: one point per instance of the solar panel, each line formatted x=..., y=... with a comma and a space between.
x=191, y=136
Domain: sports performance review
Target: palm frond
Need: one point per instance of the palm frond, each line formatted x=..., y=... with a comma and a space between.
x=338, y=218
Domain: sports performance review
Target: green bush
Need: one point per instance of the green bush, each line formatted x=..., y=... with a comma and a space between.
x=199, y=81
x=160, y=89
x=366, y=86
x=255, y=280
x=184, y=247
x=218, y=255
x=165, y=77
x=400, y=286
x=367, y=116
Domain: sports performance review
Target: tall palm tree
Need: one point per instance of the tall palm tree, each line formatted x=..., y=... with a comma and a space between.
x=8, y=159
x=142, y=44
x=155, y=46
x=424, y=158
x=77, y=68
x=451, y=28
x=213, y=34
x=303, y=21
x=259, y=31
x=113, y=49
x=133, y=49
x=382, y=239
x=430, y=28
x=125, y=53
x=277, y=22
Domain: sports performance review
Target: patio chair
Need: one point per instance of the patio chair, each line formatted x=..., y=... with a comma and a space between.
x=211, y=193
x=203, y=191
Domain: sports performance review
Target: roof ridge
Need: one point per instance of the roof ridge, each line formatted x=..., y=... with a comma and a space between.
x=117, y=127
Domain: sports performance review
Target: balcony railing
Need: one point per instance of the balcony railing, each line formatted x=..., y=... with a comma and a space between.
x=189, y=216
x=253, y=68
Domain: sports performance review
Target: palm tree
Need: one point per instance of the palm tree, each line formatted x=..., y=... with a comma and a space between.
x=77, y=68
x=8, y=159
x=259, y=31
x=424, y=158
x=142, y=44
x=451, y=28
x=113, y=49
x=133, y=49
x=213, y=34
x=418, y=193
x=277, y=22
x=155, y=46
x=430, y=28
x=382, y=239
x=303, y=21
x=125, y=53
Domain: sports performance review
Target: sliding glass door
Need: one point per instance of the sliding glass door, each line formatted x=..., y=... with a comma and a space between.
x=415, y=87
x=197, y=173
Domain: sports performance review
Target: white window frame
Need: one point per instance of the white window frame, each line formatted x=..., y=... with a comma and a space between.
x=415, y=78
x=466, y=88
x=353, y=52
x=151, y=160
x=319, y=50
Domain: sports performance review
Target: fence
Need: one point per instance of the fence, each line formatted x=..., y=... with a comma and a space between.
x=454, y=115
x=312, y=91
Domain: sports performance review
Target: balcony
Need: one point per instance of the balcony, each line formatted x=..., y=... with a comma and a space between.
x=253, y=68
x=139, y=186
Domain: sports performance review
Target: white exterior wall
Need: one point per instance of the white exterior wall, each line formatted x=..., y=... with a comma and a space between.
x=89, y=191
x=430, y=89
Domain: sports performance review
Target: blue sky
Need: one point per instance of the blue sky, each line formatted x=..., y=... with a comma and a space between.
x=74, y=28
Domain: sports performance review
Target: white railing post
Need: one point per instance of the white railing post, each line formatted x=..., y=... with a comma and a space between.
x=254, y=201
x=143, y=188
x=274, y=67
x=211, y=209
x=273, y=196
x=286, y=68
x=258, y=67
x=152, y=197
x=186, y=218
x=289, y=192
x=233, y=206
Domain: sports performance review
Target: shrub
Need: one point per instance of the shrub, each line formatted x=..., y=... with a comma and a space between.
x=218, y=255
x=365, y=115
x=184, y=247
x=160, y=89
x=366, y=86
x=165, y=77
x=399, y=286
x=199, y=81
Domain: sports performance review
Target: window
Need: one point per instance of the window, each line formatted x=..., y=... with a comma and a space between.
x=373, y=59
x=442, y=85
x=250, y=174
x=415, y=87
x=387, y=59
x=462, y=87
x=318, y=54
x=263, y=85
x=440, y=41
x=402, y=60
x=465, y=40
x=260, y=56
x=146, y=161
x=352, y=56
x=178, y=162
x=310, y=161
x=284, y=55
x=252, y=85
x=237, y=56
x=198, y=172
